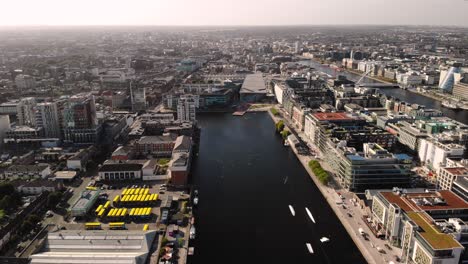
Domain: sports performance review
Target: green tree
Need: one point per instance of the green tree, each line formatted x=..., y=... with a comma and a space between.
x=280, y=126
x=285, y=133
x=53, y=199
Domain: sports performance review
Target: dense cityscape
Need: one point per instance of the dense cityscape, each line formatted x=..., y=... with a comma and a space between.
x=262, y=144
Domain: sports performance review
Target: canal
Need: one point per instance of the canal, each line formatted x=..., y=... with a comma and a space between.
x=403, y=95
x=246, y=180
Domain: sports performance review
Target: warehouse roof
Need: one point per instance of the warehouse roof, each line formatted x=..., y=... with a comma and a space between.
x=254, y=83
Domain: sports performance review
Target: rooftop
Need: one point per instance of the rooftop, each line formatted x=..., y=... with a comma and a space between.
x=430, y=232
x=333, y=116
x=65, y=175
x=457, y=170
x=253, y=83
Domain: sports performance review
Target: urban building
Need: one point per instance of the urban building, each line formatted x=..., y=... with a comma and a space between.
x=47, y=117
x=25, y=82
x=96, y=246
x=26, y=172
x=186, y=108
x=433, y=154
x=426, y=225
x=446, y=176
x=253, y=89
x=374, y=168
x=158, y=146
x=84, y=203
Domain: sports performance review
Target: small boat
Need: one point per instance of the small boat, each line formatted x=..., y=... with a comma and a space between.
x=450, y=105
x=292, y=210
x=192, y=232
x=286, y=143
x=192, y=220
x=310, y=215
x=195, y=200
x=324, y=239
x=286, y=180
x=309, y=247
x=195, y=192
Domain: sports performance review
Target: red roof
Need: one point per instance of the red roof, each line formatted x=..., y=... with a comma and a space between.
x=457, y=171
x=406, y=202
x=332, y=116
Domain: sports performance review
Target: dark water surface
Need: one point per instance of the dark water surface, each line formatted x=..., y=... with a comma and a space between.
x=243, y=214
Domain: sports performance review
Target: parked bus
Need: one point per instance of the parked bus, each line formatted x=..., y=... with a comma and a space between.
x=98, y=209
x=93, y=226
x=145, y=227
x=91, y=188
x=117, y=225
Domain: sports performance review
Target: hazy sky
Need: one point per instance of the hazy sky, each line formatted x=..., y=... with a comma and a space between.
x=232, y=12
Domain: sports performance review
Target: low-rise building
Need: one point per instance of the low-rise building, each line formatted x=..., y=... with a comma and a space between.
x=40, y=171
x=36, y=187
x=86, y=201
x=97, y=246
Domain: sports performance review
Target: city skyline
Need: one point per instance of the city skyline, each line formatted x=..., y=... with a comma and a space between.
x=235, y=13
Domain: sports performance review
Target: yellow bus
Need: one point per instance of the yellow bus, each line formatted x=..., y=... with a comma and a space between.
x=101, y=213
x=124, y=212
x=116, y=199
x=91, y=188
x=93, y=226
x=145, y=227
x=117, y=225
x=146, y=191
x=98, y=209
x=130, y=192
x=106, y=205
x=124, y=191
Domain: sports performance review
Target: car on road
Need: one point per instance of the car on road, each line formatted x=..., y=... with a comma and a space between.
x=49, y=214
x=388, y=247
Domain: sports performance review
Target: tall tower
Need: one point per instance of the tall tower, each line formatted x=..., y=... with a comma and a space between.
x=47, y=117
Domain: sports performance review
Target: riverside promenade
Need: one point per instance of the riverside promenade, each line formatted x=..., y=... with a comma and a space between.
x=352, y=224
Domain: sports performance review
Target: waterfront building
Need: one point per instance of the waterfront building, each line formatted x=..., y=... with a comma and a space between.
x=179, y=166
x=158, y=146
x=460, y=88
x=427, y=225
x=253, y=89
x=186, y=108
x=447, y=79
x=313, y=121
x=373, y=168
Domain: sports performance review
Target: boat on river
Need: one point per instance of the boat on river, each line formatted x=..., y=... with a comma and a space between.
x=450, y=105
x=309, y=247
x=324, y=239
x=192, y=232
x=292, y=210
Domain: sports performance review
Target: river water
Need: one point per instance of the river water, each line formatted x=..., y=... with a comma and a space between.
x=246, y=180
x=403, y=95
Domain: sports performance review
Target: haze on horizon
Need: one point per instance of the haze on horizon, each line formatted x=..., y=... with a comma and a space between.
x=234, y=12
